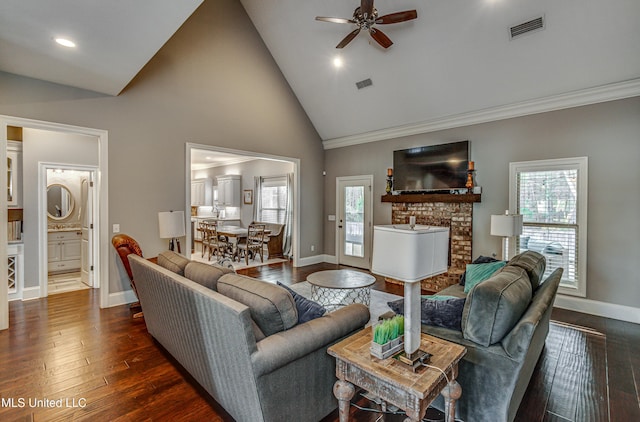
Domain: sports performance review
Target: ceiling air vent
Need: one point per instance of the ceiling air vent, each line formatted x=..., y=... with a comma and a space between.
x=365, y=83
x=526, y=27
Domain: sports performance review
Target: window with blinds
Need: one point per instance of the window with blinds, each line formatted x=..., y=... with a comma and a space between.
x=551, y=196
x=273, y=200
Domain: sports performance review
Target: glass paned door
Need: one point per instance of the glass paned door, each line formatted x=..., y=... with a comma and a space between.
x=354, y=221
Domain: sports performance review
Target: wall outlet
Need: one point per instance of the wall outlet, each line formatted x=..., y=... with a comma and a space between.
x=116, y=228
x=313, y=248
x=332, y=217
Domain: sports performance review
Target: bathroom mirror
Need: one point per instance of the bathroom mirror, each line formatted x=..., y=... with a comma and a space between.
x=59, y=202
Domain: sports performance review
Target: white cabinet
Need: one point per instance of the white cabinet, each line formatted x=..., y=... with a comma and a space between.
x=64, y=251
x=14, y=174
x=229, y=190
x=201, y=192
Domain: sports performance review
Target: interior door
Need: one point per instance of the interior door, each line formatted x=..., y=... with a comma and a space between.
x=86, y=219
x=354, y=221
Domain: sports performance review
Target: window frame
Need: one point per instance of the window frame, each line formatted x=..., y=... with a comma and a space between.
x=581, y=165
x=272, y=181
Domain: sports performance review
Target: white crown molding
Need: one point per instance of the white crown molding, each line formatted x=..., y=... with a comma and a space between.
x=599, y=94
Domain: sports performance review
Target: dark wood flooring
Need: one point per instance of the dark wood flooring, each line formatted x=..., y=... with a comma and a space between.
x=64, y=358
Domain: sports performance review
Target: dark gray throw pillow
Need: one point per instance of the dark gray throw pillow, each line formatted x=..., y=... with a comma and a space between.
x=307, y=309
x=437, y=313
x=479, y=260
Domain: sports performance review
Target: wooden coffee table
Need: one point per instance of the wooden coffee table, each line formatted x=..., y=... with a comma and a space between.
x=393, y=381
x=337, y=288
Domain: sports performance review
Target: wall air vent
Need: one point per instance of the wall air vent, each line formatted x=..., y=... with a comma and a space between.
x=365, y=83
x=536, y=24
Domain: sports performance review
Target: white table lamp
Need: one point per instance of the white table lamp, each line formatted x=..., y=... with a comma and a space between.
x=410, y=255
x=171, y=226
x=506, y=225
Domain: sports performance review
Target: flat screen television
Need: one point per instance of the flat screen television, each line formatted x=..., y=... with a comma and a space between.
x=434, y=168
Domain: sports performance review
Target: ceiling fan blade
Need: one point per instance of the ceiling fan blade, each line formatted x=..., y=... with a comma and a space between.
x=334, y=20
x=366, y=7
x=346, y=40
x=407, y=15
x=380, y=37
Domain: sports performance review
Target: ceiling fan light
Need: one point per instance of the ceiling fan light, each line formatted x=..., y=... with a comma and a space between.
x=337, y=62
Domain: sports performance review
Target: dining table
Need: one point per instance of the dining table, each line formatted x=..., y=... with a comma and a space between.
x=237, y=233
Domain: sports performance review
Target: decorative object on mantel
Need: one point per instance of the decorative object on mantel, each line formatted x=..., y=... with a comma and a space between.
x=410, y=255
x=507, y=226
x=171, y=226
x=389, y=181
x=469, y=185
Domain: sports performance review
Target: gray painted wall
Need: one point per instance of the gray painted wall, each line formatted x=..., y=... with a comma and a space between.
x=608, y=133
x=213, y=83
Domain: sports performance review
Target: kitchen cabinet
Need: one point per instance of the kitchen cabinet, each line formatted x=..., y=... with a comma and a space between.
x=229, y=190
x=14, y=174
x=64, y=251
x=201, y=192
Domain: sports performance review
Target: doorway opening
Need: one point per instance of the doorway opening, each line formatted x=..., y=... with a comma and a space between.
x=354, y=229
x=69, y=215
x=236, y=188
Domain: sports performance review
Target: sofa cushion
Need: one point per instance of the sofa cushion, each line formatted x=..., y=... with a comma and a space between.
x=477, y=273
x=205, y=274
x=307, y=309
x=533, y=263
x=436, y=311
x=272, y=307
x=494, y=306
x=173, y=261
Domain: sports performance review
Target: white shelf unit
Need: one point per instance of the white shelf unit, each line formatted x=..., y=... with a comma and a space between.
x=15, y=267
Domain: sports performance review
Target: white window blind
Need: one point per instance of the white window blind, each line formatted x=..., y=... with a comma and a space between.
x=273, y=200
x=551, y=196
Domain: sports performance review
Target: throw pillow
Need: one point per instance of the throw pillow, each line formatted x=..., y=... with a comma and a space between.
x=477, y=273
x=307, y=309
x=446, y=313
x=479, y=260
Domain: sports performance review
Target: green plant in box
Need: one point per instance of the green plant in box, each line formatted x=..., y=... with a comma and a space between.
x=388, y=330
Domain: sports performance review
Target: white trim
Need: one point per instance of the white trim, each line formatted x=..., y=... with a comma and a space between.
x=296, y=187
x=599, y=94
x=315, y=259
x=368, y=216
x=121, y=298
x=30, y=293
x=582, y=165
x=101, y=186
x=602, y=309
x=43, y=254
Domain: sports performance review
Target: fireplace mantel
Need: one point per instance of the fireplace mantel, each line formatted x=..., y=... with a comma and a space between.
x=432, y=197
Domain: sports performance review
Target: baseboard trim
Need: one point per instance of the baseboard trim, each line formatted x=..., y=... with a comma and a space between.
x=311, y=260
x=602, y=309
x=121, y=298
x=31, y=293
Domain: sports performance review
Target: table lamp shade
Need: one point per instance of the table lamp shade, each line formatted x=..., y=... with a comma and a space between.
x=410, y=255
x=506, y=225
x=171, y=224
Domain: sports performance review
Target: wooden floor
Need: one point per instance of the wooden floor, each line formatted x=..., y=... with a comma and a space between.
x=64, y=358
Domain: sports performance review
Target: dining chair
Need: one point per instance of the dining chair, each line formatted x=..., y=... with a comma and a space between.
x=217, y=244
x=254, y=244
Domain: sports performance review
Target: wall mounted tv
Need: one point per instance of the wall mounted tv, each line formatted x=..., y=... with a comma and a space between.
x=434, y=168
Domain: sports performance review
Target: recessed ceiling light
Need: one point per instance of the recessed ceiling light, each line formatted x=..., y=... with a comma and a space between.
x=337, y=61
x=65, y=42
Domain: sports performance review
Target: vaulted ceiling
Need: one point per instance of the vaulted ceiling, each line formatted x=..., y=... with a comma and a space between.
x=454, y=65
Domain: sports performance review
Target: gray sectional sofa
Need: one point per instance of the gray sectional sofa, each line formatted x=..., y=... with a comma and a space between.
x=505, y=322
x=240, y=339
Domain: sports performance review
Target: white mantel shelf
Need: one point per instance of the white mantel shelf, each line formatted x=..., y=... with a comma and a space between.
x=432, y=197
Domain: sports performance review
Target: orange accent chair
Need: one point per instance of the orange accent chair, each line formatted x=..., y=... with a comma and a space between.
x=126, y=245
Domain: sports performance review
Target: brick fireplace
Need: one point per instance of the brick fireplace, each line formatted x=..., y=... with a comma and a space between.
x=453, y=211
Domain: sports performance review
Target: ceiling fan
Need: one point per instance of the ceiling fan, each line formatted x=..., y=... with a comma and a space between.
x=365, y=17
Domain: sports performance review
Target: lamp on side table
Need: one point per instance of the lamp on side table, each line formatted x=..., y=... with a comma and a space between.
x=410, y=254
x=506, y=225
x=171, y=226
